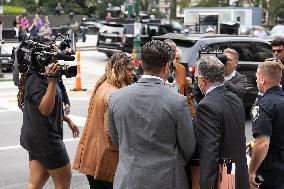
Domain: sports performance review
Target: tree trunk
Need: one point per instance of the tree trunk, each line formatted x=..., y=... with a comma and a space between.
x=173, y=9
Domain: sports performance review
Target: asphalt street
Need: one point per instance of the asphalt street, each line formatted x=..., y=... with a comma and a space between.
x=13, y=158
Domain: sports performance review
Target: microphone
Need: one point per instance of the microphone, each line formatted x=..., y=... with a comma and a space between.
x=61, y=56
x=170, y=78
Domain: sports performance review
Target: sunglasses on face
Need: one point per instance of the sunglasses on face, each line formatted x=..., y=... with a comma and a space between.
x=277, y=50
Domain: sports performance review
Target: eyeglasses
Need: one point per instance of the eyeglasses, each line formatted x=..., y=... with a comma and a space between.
x=196, y=77
x=277, y=50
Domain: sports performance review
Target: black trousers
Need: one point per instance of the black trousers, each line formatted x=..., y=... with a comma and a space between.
x=97, y=184
x=273, y=177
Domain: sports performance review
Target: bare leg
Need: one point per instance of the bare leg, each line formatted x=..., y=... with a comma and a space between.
x=61, y=177
x=38, y=175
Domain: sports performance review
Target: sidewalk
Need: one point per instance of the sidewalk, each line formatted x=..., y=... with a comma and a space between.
x=90, y=44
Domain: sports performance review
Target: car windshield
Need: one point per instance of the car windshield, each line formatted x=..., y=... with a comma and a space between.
x=277, y=30
x=176, y=24
x=185, y=46
x=129, y=29
x=112, y=29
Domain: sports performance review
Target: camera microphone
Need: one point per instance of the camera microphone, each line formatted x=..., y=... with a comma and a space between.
x=170, y=78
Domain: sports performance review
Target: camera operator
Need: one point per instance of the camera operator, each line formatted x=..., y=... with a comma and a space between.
x=234, y=81
x=42, y=130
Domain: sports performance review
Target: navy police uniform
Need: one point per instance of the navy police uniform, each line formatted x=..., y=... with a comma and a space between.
x=268, y=120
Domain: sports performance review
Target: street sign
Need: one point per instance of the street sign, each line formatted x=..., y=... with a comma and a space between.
x=137, y=28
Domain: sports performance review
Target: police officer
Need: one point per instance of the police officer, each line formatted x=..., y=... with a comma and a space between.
x=267, y=126
x=234, y=81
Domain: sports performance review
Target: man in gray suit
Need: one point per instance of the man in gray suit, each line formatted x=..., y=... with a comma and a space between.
x=152, y=127
x=234, y=81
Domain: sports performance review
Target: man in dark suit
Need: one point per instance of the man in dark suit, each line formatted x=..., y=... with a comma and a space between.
x=234, y=81
x=152, y=126
x=220, y=125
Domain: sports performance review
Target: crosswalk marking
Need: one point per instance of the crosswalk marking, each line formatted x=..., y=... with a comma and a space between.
x=19, y=146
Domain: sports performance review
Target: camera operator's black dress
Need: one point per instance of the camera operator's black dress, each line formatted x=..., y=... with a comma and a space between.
x=42, y=136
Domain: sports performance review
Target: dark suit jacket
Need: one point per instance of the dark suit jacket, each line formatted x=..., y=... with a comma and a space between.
x=237, y=84
x=220, y=133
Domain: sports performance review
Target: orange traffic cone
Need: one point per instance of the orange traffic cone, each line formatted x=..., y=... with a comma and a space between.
x=78, y=82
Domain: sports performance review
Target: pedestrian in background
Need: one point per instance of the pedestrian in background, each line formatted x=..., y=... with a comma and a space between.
x=220, y=125
x=46, y=30
x=46, y=20
x=59, y=10
x=278, y=48
x=267, y=127
x=96, y=156
x=278, y=53
x=108, y=17
x=16, y=25
x=234, y=81
x=42, y=130
x=25, y=23
x=36, y=25
x=151, y=126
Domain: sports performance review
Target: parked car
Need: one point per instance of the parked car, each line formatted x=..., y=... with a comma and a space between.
x=6, y=61
x=114, y=36
x=92, y=24
x=252, y=51
x=277, y=31
x=110, y=38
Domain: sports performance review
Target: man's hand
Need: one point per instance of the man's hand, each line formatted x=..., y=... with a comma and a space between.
x=252, y=183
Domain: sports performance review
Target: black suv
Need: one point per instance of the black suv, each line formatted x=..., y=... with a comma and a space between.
x=251, y=51
x=119, y=37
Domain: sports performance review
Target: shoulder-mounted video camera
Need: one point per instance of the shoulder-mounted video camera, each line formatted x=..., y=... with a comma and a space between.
x=35, y=53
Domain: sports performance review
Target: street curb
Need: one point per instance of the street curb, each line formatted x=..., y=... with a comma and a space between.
x=88, y=48
x=6, y=79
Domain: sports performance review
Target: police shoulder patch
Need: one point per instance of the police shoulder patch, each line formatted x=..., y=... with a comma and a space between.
x=255, y=113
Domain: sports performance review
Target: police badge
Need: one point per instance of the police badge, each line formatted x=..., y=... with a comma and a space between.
x=255, y=113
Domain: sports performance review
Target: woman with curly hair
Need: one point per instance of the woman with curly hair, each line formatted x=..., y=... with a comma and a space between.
x=40, y=99
x=96, y=156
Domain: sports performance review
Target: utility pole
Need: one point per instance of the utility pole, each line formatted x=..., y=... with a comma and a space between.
x=1, y=27
x=136, y=53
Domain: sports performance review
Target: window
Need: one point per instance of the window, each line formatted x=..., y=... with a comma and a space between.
x=129, y=29
x=153, y=30
x=245, y=50
x=263, y=51
x=112, y=29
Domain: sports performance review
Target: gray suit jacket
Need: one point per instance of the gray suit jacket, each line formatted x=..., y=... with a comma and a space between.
x=237, y=84
x=152, y=127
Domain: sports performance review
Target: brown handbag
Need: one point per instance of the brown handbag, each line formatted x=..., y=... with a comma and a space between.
x=226, y=180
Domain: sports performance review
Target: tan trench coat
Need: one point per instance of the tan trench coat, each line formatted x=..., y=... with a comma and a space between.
x=96, y=154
